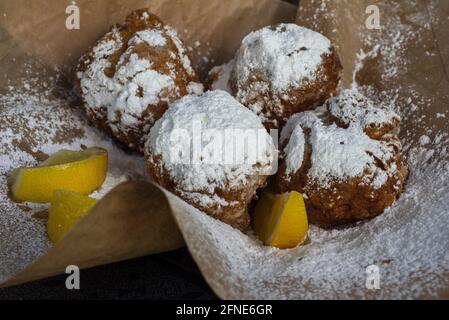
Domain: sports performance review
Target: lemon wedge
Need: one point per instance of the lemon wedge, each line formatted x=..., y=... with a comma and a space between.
x=67, y=208
x=281, y=220
x=77, y=171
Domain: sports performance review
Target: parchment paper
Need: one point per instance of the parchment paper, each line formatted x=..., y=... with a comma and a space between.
x=405, y=62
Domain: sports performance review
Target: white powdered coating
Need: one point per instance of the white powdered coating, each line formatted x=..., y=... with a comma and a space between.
x=338, y=154
x=221, y=74
x=195, y=88
x=424, y=140
x=181, y=49
x=100, y=90
x=293, y=138
x=28, y=117
x=286, y=55
x=206, y=121
x=153, y=38
x=341, y=154
x=206, y=200
x=294, y=151
x=135, y=85
x=351, y=106
x=137, y=74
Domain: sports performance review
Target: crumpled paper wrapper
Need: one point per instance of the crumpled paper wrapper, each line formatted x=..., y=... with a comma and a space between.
x=405, y=62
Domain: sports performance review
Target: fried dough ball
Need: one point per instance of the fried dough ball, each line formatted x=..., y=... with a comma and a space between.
x=345, y=173
x=131, y=74
x=280, y=70
x=212, y=152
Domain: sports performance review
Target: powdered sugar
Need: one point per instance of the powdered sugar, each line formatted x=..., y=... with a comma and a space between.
x=339, y=154
x=143, y=78
x=221, y=75
x=181, y=49
x=193, y=143
x=154, y=38
x=294, y=151
x=350, y=106
x=287, y=55
x=99, y=89
x=195, y=88
x=275, y=68
x=424, y=140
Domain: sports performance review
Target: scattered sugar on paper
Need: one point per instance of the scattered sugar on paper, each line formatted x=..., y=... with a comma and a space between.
x=35, y=124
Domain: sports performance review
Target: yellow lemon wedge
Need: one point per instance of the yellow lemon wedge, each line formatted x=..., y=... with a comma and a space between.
x=77, y=171
x=281, y=220
x=67, y=208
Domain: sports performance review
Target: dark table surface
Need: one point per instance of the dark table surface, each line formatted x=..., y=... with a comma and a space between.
x=172, y=275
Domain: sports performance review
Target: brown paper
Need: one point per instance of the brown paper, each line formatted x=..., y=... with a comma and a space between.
x=134, y=219
x=425, y=65
x=406, y=242
x=216, y=25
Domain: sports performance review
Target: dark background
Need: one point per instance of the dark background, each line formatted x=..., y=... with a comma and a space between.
x=171, y=275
